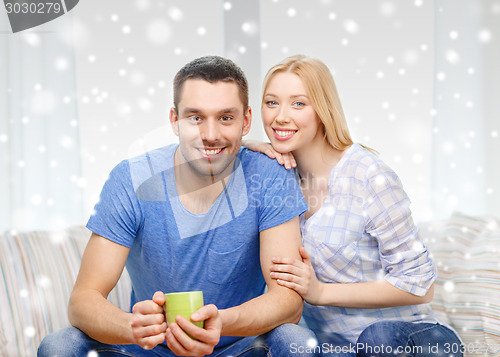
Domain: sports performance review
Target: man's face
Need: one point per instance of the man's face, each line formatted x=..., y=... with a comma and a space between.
x=210, y=123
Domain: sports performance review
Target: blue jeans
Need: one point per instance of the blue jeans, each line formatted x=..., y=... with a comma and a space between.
x=396, y=338
x=335, y=345
x=276, y=343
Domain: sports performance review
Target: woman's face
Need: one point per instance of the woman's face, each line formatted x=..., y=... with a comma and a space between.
x=289, y=119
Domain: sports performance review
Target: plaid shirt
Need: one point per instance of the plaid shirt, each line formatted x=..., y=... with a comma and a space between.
x=364, y=232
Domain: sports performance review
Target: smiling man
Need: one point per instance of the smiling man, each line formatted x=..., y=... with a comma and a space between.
x=205, y=215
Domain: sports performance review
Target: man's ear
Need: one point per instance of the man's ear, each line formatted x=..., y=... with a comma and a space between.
x=174, y=121
x=247, y=123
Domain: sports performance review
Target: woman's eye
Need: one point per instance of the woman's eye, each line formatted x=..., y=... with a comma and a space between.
x=299, y=104
x=271, y=103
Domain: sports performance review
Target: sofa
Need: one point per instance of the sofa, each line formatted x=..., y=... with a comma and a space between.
x=38, y=269
x=466, y=251
x=37, y=273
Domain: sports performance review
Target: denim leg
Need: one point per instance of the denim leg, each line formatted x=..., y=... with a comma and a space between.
x=397, y=338
x=71, y=342
x=290, y=340
x=335, y=345
x=244, y=347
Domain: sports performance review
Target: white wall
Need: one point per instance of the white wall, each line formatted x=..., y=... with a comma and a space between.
x=127, y=56
x=387, y=57
x=381, y=54
x=466, y=167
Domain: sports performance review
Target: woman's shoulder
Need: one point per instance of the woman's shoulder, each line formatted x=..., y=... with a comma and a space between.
x=363, y=164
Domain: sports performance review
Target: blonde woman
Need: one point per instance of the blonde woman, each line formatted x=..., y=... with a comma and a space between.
x=365, y=274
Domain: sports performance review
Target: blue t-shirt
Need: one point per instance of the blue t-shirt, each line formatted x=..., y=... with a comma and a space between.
x=175, y=250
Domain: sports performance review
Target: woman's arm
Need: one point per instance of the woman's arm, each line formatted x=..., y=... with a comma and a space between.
x=299, y=276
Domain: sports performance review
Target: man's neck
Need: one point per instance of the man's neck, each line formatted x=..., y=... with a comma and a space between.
x=198, y=192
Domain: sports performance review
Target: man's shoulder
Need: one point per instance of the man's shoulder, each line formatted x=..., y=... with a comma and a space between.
x=258, y=163
x=144, y=166
x=156, y=155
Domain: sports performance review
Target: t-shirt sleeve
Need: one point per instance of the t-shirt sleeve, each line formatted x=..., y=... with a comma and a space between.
x=405, y=259
x=117, y=214
x=280, y=198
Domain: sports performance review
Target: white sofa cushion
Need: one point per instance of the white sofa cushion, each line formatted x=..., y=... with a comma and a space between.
x=37, y=274
x=466, y=251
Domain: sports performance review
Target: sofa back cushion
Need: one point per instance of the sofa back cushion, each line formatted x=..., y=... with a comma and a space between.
x=466, y=251
x=37, y=274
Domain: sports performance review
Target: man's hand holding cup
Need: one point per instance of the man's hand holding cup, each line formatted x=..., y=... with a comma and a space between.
x=148, y=322
x=193, y=328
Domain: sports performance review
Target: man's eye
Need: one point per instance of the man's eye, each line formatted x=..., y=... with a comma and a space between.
x=194, y=118
x=226, y=118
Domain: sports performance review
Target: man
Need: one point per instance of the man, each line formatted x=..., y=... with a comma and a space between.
x=202, y=215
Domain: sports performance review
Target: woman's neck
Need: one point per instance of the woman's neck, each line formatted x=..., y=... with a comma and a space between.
x=317, y=159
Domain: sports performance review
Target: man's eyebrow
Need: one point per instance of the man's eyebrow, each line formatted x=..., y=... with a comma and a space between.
x=188, y=110
x=231, y=110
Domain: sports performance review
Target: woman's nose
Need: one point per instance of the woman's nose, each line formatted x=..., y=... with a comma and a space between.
x=283, y=116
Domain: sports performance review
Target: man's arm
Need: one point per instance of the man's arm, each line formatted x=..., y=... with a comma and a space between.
x=90, y=311
x=279, y=304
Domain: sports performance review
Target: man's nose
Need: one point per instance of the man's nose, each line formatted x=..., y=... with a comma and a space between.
x=210, y=131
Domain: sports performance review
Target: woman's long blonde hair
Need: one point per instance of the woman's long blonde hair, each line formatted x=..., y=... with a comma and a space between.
x=323, y=93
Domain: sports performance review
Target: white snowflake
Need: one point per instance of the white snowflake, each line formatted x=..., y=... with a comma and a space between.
x=31, y=39
x=175, y=14
x=250, y=28
x=30, y=331
x=36, y=200
x=143, y=5
x=158, y=32
x=201, y=31
x=387, y=9
x=61, y=64
x=351, y=26
x=484, y=36
x=452, y=56
x=43, y=102
x=126, y=29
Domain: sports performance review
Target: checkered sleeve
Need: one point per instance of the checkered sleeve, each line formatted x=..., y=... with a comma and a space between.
x=405, y=259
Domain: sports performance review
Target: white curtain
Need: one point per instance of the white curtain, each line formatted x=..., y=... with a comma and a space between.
x=466, y=164
x=40, y=168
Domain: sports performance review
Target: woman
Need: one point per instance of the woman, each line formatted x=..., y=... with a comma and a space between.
x=365, y=274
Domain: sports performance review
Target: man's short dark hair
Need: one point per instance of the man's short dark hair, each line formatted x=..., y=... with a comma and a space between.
x=211, y=69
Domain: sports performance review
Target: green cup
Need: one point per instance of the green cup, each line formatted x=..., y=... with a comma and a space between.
x=184, y=304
